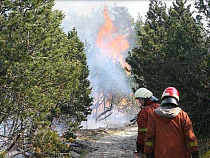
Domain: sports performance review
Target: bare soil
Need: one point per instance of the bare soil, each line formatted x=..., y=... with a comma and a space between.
x=107, y=143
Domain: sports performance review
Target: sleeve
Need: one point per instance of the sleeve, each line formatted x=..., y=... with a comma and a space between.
x=142, y=121
x=150, y=136
x=142, y=125
x=189, y=135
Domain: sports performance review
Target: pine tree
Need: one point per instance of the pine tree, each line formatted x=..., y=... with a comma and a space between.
x=184, y=59
x=79, y=104
x=147, y=57
x=203, y=7
x=174, y=52
x=39, y=72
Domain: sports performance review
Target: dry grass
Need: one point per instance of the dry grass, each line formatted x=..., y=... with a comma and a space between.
x=204, y=145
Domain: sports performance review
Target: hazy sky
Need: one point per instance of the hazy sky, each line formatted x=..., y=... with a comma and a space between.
x=84, y=7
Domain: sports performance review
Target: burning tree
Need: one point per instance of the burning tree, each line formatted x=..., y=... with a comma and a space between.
x=108, y=33
x=112, y=92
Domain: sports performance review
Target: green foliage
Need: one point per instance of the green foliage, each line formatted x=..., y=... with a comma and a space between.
x=78, y=107
x=148, y=53
x=41, y=69
x=206, y=154
x=203, y=9
x=47, y=143
x=174, y=51
x=2, y=154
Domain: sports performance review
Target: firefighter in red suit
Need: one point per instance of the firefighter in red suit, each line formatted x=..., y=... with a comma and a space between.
x=148, y=103
x=170, y=132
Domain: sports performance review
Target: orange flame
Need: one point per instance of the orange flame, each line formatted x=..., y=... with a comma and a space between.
x=109, y=43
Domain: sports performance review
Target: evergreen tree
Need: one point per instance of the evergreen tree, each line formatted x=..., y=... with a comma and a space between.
x=145, y=59
x=184, y=60
x=39, y=72
x=203, y=7
x=80, y=101
x=173, y=52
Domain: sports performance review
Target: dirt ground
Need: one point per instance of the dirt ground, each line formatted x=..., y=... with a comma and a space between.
x=106, y=143
x=119, y=142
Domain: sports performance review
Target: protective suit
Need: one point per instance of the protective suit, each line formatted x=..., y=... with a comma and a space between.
x=148, y=103
x=142, y=120
x=169, y=131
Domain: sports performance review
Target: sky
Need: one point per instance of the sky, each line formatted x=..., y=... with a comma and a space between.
x=84, y=7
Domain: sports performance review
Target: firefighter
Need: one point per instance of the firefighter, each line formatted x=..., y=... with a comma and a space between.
x=148, y=103
x=170, y=133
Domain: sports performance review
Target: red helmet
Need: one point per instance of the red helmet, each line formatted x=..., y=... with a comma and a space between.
x=171, y=92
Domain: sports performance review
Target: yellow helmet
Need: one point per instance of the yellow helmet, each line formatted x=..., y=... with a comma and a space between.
x=143, y=93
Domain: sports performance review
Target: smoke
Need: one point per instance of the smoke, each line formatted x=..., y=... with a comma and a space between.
x=107, y=75
x=113, y=121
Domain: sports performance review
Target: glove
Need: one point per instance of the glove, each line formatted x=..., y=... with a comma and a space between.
x=151, y=155
x=195, y=154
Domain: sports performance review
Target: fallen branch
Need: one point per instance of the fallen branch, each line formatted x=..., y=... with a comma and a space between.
x=104, y=117
x=103, y=113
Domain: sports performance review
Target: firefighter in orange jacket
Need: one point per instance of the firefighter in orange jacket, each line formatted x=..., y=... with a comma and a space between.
x=148, y=103
x=170, y=133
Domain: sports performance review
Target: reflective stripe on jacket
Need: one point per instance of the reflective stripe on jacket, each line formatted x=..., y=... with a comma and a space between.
x=142, y=120
x=170, y=137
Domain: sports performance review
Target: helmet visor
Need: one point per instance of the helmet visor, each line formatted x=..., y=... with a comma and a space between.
x=169, y=100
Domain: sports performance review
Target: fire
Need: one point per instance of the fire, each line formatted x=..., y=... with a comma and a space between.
x=110, y=43
x=107, y=102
